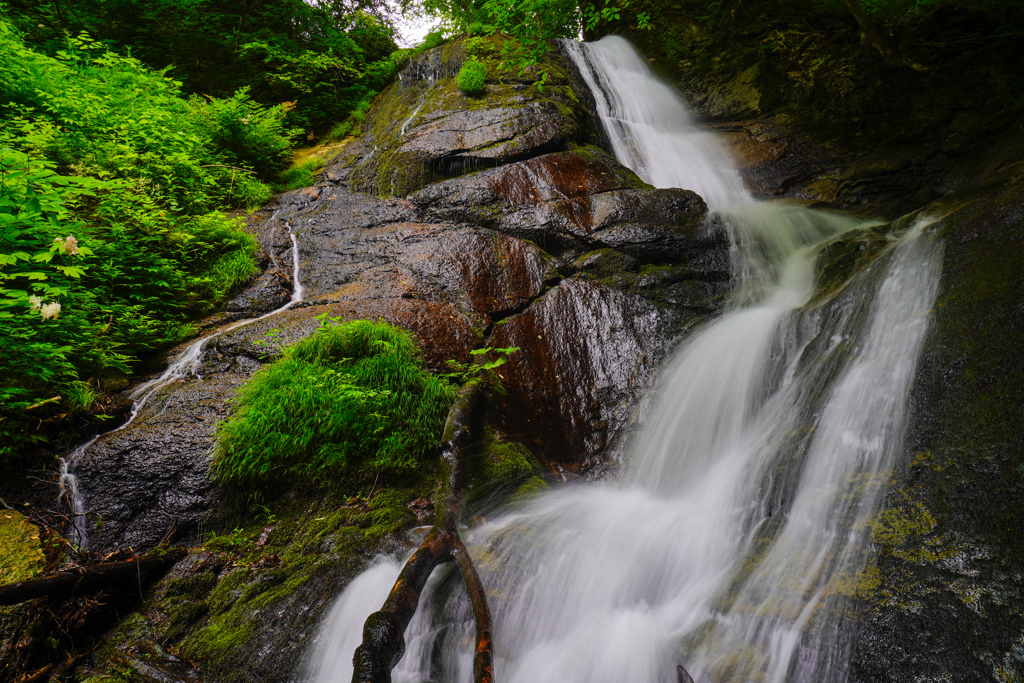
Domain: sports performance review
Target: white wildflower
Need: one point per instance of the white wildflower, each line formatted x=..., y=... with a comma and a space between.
x=50, y=311
x=36, y=302
x=68, y=244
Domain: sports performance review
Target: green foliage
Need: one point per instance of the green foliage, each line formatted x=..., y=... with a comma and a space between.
x=300, y=175
x=101, y=114
x=352, y=394
x=502, y=356
x=316, y=54
x=472, y=76
x=533, y=23
x=480, y=29
x=246, y=133
x=478, y=48
x=110, y=234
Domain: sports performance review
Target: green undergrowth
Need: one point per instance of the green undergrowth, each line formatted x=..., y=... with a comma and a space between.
x=113, y=236
x=354, y=394
x=300, y=175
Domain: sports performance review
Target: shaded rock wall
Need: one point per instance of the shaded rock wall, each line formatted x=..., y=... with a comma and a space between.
x=813, y=112
x=945, y=599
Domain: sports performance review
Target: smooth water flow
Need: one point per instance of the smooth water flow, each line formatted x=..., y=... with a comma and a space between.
x=733, y=539
x=187, y=364
x=650, y=128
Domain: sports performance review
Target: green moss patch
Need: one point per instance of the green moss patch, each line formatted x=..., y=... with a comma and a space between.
x=502, y=471
x=21, y=555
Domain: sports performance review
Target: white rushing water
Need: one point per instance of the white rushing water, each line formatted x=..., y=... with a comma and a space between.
x=187, y=364
x=732, y=541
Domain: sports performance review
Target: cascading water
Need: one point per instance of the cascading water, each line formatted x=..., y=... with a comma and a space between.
x=733, y=538
x=188, y=363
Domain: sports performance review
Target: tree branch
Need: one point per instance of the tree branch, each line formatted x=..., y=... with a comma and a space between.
x=85, y=578
x=384, y=631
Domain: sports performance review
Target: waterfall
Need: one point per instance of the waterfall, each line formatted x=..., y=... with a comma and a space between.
x=733, y=539
x=187, y=364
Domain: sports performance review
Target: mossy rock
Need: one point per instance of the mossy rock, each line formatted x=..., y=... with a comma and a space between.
x=951, y=545
x=423, y=128
x=21, y=553
x=502, y=472
x=21, y=558
x=246, y=606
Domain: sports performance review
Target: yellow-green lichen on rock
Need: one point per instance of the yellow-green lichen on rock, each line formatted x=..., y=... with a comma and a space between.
x=951, y=543
x=21, y=558
x=21, y=554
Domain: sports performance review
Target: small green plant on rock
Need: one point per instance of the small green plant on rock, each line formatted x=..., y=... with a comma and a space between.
x=471, y=77
x=483, y=369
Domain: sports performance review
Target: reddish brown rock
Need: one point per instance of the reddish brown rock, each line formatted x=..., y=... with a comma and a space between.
x=585, y=352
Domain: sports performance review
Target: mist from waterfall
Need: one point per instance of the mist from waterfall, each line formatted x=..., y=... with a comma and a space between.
x=733, y=539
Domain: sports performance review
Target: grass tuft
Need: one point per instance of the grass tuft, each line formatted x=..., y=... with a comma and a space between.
x=471, y=77
x=352, y=394
x=301, y=175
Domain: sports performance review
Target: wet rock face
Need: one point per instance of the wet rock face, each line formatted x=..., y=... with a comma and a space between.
x=586, y=350
x=151, y=481
x=554, y=248
x=578, y=201
x=946, y=600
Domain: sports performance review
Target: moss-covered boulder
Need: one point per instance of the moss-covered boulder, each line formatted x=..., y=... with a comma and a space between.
x=21, y=558
x=424, y=128
x=247, y=604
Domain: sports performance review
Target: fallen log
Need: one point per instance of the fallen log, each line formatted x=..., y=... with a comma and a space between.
x=82, y=579
x=384, y=631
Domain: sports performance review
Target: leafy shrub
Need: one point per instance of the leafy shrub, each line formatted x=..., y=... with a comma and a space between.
x=315, y=54
x=471, y=77
x=477, y=28
x=478, y=48
x=101, y=114
x=247, y=133
x=92, y=275
x=352, y=394
x=110, y=233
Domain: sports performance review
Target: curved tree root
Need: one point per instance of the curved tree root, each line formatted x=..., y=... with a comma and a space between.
x=384, y=631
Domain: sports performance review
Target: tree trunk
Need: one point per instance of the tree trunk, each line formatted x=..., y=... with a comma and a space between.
x=384, y=631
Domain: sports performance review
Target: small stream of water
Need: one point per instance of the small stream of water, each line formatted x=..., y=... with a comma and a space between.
x=186, y=364
x=732, y=541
